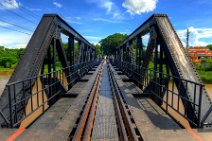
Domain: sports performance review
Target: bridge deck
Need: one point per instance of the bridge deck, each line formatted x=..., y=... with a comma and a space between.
x=152, y=122
x=57, y=123
x=105, y=126
x=59, y=120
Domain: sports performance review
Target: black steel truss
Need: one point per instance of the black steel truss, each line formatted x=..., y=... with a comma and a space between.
x=44, y=47
x=169, y=57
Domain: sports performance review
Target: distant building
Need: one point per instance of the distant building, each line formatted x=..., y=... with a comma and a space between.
x=197, y=53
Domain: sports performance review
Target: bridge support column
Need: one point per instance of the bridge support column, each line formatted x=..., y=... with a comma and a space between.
x=125, y=54
x=156, y=78
x=80, y=52
x=84, y=53
x=130, y=52
x=71, y=50
x=161, y=62
x=139, y=51
x=121, y=55
x=54, y=54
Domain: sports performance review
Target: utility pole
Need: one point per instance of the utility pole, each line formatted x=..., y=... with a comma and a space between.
x=187, y=38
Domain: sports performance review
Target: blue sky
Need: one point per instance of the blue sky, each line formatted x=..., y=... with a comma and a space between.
x=96, y=19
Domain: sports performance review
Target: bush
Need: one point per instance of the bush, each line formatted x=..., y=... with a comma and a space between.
x=206, y=76
x=7, y=62
x=205, y=65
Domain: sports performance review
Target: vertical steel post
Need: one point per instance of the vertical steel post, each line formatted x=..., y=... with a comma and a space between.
x=54, y=54
x=71, y=49
x=49, y=60
x=138, y=51
x=83, y=52
x=130, y=48
x=156, y=71
x=161, y=73
x=156, y=58
x=200, y=106
x=10, y=106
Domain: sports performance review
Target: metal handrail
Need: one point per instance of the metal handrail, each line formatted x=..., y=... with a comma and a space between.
x=206, y=116
x=146, y=77
x=12, y=120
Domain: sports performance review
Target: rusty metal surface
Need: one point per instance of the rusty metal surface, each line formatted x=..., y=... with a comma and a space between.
x=83, y=126
x=183, y=64
x=105, y=125
x=176, y=58
x=57, y=123
x=89, y=127
x=151, y=121
x=129, y=132
x=49, y=28
x=31, y=61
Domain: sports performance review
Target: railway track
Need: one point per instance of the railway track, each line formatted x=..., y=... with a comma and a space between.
x=84, y=127
x=126, y=125
x=127, y=130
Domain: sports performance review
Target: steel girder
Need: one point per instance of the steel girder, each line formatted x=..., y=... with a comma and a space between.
x=37, y=54
x=173, y=55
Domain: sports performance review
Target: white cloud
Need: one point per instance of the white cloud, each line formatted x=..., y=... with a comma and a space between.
x=9, y=4
x=4, y=24
x=115, y=16
x=35, y=9
x=58, y=5
x=139, y=6
x=197, y=35
x=105, y=20
x=93, y=39
x=78, y=18
x=107, y=5
x=74, y=20
x=13, y=39
x=110, y=7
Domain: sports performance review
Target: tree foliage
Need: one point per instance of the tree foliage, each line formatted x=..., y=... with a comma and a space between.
x=209, y=46
x=99, y=51
x=9, y=57
x=111, y=42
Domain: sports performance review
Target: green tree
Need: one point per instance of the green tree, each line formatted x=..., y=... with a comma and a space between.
x=7, y=62
x=99, y=51
x=9, y=57
x=111, y=42
x=209, y=46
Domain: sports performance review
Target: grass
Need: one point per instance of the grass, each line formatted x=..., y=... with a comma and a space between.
x=6, y=69
x=206, y=76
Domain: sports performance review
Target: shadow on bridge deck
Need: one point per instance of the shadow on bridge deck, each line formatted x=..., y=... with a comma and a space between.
x=59, y=120
x=152, y=122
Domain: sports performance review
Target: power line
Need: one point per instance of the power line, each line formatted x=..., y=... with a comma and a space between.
x=24, y=9
x=15, y=13
x=15, y=30
x=29, y=12
x=7, y=22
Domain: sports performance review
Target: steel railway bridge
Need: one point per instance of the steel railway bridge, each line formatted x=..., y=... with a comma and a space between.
x=135, y=94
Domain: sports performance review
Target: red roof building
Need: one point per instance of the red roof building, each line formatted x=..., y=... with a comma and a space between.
x=197, y=53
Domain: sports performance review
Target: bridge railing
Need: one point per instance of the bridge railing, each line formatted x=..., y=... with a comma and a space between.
x=164, y=90
x=43, y=90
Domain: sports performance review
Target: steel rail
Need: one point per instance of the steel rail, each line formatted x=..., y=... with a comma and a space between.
x=127, y=132
x=89, y=126
x=85, y=125
x=121, y=127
